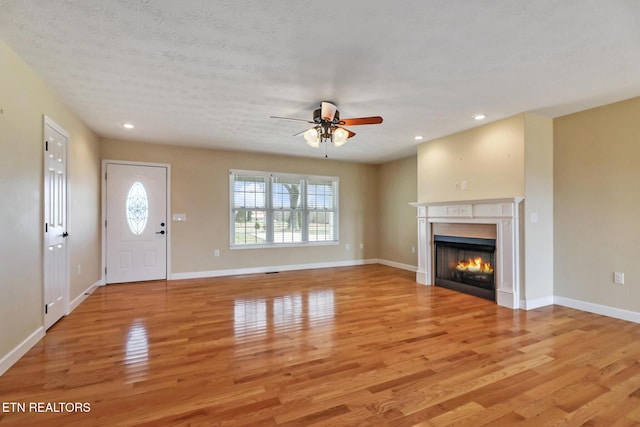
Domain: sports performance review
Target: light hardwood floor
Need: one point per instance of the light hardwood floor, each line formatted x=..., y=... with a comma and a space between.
x=357, y=346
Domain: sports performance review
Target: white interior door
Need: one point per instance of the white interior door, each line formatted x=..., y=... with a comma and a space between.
x=136, y=223
x=55, y=228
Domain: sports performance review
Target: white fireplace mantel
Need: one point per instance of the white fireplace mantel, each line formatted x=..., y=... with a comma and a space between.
x=504, y=213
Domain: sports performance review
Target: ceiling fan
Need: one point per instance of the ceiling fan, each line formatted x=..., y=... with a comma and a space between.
x=328, y=127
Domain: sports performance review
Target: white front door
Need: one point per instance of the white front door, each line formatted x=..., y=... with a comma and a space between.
x=55, y=222
x=136, y=223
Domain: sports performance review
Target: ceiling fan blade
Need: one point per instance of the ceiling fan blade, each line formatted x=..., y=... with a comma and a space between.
x=289, y=118
x=361, y=121
x=328, y=111
x=301, y=132
x=350, y=132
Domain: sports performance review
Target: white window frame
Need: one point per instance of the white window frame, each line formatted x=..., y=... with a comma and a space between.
x=269, y=210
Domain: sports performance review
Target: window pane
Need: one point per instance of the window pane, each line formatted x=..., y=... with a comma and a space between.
x=249, y=192
x=287, y=226
x=321, y=226
x=250, y=227
x=320, y=195
x=285, y=193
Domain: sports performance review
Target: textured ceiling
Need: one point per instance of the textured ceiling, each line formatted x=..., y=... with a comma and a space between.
x=210, y=73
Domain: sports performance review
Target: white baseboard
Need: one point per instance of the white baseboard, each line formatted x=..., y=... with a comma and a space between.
x=604, y=310
x=618, y=313
x=269, y=269
x=398, y=265
x=421, y=277
x=83, y=296
x=536, y=303
x=20, y=350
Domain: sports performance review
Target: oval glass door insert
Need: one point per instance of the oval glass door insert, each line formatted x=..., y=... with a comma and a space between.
x=137, y=208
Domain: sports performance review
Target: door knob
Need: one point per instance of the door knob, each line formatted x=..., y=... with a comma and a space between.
x=160, y=232
x=65, y=234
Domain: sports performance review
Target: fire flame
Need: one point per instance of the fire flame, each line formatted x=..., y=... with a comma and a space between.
x=475, y=265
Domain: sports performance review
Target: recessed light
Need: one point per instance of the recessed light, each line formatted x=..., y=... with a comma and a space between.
x=480, y=117
x=128, y=125
x=418, y=138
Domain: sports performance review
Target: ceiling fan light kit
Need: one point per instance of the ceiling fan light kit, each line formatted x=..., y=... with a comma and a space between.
x=340, y=137
x=329, y=128
x=312, y=137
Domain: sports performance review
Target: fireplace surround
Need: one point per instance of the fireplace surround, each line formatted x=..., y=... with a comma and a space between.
x=474, y=219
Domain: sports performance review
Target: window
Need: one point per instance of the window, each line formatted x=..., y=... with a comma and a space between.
x=137, y=208
x=269, y=209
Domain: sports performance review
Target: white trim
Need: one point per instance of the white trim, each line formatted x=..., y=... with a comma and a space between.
x=284, y=245
x=281, y=174
x=83, y=296
x=20, y=350
x=505, y=298
x=103, y=187
x=515, y=200
x=536, y=303
x=421, y=278
x=49, y=121
x=398, y=265
x=269, y=269
x=618, y=313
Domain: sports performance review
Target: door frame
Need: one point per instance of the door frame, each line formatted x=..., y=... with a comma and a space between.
x=106, y=162
x=48, y=121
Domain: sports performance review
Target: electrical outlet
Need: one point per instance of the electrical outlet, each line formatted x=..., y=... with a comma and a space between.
x=216, y=252
x=413, y=249
x=361, y=245
x=347, y=246
x=618, y=278
x=463, y=185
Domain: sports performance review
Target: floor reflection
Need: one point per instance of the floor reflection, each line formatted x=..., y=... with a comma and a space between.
x=249, y=317
x=137, y=350
x=321, y=307
x=287, y=313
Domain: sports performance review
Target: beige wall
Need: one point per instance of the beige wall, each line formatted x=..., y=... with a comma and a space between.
x=397, y=235
x=490, y=158
x=24, y=99
x=597, y=204
x=200, y=189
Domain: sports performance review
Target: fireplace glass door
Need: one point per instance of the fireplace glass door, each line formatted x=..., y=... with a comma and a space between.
x=466, y=265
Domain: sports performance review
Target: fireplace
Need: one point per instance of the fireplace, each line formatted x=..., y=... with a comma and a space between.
x=495, y=219
x=465, y=264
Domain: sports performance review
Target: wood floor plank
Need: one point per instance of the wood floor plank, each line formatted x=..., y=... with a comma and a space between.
x=348, y=346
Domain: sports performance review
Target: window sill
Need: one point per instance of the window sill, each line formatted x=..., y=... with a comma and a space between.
x=284, y=245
